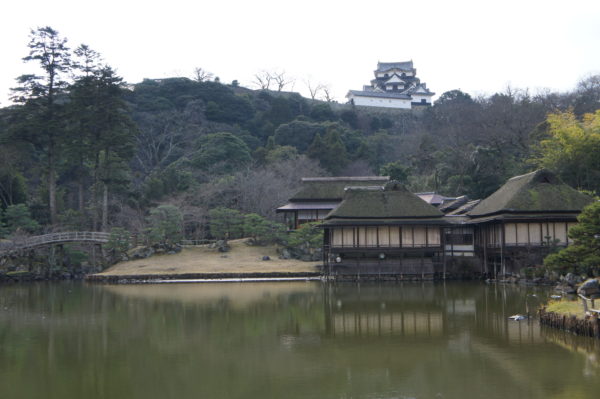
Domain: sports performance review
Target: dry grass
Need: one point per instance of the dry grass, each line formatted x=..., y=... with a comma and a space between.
x=241, y=259
x=566, y=307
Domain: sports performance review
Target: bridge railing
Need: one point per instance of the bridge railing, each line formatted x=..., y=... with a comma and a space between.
x=46, y=239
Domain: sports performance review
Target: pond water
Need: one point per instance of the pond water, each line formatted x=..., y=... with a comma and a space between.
x=286, y=340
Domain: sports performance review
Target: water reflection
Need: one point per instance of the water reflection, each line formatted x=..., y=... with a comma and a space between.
x=292, y=340
x=237, y=295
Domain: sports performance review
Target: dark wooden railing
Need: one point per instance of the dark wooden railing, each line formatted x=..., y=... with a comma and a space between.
x=55, y=238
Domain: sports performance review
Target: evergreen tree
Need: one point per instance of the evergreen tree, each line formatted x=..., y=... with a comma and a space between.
x=166, y=225
x=226, y=223
x=115, y=142
x=102, y=132
x=43, y=123
x=396, y=171
x=329, y=151
x=221, y=153
x=18, y=217
x=82, y=128
x=584, y=255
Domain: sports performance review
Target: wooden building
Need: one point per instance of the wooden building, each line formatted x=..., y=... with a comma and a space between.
x=375, y=228
x=523, y=220
x=383, y=231
x=320, y=195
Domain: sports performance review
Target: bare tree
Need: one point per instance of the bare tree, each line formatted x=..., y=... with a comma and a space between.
x=313, y=88
x=160, y=140
x=328, y=94
x=282, y=80
x=202, y=75
x=255, y=190
x=263, y=79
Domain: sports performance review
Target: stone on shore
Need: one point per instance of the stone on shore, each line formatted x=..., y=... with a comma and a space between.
x=589, y=287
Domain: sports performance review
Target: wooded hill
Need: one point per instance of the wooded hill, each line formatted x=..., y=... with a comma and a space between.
x=83, y=150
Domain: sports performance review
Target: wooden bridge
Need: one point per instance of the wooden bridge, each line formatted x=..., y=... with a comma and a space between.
x=93, y=237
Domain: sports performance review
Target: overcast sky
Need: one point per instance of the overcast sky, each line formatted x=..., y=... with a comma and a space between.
x=477, y=46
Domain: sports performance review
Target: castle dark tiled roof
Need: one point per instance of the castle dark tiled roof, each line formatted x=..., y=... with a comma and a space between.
x=536, y=192
x=385, y=66
x=386, y=94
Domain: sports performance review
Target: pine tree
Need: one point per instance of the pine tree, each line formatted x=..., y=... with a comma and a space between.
x=43, y=126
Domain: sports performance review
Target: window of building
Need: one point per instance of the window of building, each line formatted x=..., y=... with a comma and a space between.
x=459, y=236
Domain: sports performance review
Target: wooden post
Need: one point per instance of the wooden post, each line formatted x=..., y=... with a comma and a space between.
x=502, y=241
x=443, y=240
x=485, y=241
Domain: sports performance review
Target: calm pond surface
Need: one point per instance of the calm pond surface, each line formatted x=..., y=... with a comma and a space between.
x=286, y=340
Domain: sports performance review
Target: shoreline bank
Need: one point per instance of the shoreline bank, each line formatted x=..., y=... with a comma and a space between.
x=201, y=277
x=588, y=326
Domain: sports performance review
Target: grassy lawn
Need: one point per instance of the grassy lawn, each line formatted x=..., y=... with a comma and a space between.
x=241, y=259
x=566, y=307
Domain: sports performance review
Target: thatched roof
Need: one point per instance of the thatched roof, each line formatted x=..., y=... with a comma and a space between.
x=332, y=188
x=393, y=201
x=536, y=192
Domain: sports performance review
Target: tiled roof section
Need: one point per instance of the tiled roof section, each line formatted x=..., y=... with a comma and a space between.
x=538, y=192
x=385, y=66
x=422, y=90
x=332, y=188
x=464, y=208
x=393, y=201
x=378, y=94
x=394, y=79
x=452, y=205
x=433, y=198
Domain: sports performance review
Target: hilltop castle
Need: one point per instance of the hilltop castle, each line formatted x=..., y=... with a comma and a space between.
x=395, y=86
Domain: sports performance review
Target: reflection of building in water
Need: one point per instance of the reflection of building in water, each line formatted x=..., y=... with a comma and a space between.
x=461, y=306
x=411, y=311
x=404, y=323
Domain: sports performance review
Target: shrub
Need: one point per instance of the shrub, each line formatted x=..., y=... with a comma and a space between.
x=307, y=236
x=166, y=225
x=118, y=241
x=18, y=217
x=226, y=223
x=263, y=231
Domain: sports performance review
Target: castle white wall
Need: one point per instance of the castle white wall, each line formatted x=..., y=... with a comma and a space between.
x=381, y=102
x=417, y=98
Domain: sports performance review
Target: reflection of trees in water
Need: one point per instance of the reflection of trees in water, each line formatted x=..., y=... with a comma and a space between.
x=588, y=347
x=285, y=340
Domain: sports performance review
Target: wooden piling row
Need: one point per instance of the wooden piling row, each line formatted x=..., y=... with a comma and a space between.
x=588, y=326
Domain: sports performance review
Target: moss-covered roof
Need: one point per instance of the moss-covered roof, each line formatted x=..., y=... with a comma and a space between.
x=536, y=192
x=393, y=201
x=332, y=188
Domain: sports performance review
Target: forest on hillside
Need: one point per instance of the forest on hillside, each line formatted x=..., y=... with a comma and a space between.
x=83, y=150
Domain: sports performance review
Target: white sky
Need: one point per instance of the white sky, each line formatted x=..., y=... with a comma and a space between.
x=477, y=46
